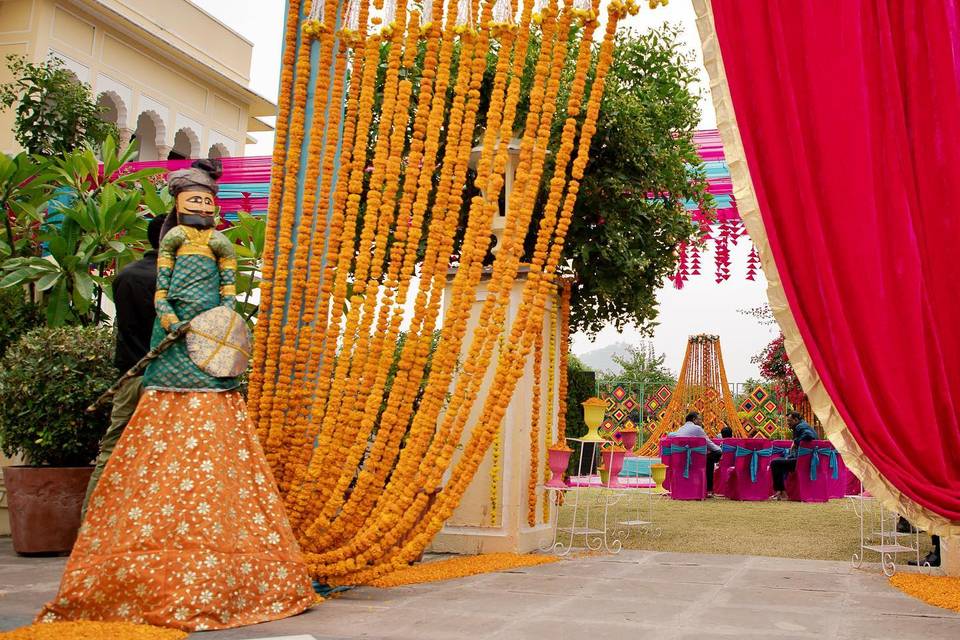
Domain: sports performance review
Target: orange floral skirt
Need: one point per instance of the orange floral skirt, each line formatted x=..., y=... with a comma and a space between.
x=185, y=528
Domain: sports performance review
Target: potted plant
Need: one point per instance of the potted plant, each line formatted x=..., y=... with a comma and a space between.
x=47, y=379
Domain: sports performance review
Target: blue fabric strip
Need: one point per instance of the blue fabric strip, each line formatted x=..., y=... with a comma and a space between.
x=678, y=448
x=755, y=455
x=816, y=452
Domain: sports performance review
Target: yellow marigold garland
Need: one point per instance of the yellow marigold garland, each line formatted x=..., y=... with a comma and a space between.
x=534, y=473
x=564, y=363
x=551, y=396
x=277, y=182
x=939, y=591
x=367, y=499
x=92, y=631
x=460, y=567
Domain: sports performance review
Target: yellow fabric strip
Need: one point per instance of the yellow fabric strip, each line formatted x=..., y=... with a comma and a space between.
x=749, y=209
x=190, y=249
x=228, y=290
x=228, y=264
x=161, y=294
x=163, y=262
x=168, y=319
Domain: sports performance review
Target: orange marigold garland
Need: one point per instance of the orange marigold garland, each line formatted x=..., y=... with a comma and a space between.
x=564, y=363
x=361, y=469
x=551, y=396
x=535, y=414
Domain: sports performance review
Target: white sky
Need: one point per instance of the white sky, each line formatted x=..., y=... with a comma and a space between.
x=702, y=306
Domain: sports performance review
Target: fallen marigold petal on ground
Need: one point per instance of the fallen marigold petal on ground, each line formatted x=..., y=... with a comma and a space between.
x=460, y=568
x=938, y=591
x=92, y=631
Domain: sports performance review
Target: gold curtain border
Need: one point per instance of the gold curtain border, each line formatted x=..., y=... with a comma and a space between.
x=749, y=209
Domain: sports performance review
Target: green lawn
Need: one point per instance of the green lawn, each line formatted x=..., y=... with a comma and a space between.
x=829, y=531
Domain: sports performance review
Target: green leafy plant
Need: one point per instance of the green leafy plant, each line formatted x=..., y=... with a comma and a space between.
x=17, y=316
x=92, y=229
x=248, y=235
x=24, y=189
x=55, y=113
x=47, y=380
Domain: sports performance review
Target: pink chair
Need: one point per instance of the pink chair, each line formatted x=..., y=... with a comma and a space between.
x=666, y=456
x=722, y=470
x=750, y=477
x=854, y=486
x=838, y=485
x=689, y=469
x=817, y=466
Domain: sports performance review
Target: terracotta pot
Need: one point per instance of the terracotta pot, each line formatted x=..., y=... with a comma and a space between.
x=558, y=460
x=44, y=504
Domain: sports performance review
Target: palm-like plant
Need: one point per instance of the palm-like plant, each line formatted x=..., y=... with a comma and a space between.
x=24, y=188
x=92, y=229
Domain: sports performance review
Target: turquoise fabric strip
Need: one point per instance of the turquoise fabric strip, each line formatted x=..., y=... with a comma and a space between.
x=755, y=455
x=678, y=448
x=816, y=452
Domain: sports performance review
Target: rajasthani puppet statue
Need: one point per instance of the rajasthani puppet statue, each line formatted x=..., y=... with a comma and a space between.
x=186, y=528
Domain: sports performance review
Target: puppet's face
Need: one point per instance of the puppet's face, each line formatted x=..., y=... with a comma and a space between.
x=196, y=209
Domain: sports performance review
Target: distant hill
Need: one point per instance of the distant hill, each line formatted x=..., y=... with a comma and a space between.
x=601, y=360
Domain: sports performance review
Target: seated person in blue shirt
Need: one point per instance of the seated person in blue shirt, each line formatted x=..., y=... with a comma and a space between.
x=693, y=428
x=802, y=432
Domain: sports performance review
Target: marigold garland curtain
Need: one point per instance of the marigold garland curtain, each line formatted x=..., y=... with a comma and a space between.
x=847, y=112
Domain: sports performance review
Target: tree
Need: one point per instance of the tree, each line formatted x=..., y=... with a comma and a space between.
x=775, y=366
x=642, y=366
x=55, y=113
x=630, y=216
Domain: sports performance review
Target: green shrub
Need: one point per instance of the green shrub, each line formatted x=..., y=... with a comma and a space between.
x=17, y=316
x=47, y=380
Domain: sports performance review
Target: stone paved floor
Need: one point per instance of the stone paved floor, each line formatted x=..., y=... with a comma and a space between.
x=633, y=595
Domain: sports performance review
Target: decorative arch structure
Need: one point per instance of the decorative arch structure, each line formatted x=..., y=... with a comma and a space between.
x=151, y=132
x=114, y=108
x=186, y=144
x=218, y=150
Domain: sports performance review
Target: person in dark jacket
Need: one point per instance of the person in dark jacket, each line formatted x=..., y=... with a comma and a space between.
x=133, y=291
x=802, y=432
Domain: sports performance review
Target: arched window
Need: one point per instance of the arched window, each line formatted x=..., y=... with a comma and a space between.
x=150, y=134
x=218, y=150
x=186, y=144
x=112, y=108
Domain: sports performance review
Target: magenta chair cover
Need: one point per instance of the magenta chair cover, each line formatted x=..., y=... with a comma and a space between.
x=666, y=457
x=688, y=481
x=727, y=463
x=752, y=485
x=806, y=485
x=722, y=471
x=854, y=486
x=838, y=485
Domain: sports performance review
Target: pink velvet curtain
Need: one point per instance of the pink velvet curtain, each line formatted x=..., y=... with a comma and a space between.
x=849, y=113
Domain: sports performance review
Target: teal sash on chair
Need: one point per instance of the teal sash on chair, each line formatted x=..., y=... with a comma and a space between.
x=678, y=448
x=816, y=452
x=754, y=458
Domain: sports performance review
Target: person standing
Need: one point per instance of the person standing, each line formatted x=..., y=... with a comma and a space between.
x=133, y=291
x=802, y=432
x=693, y=428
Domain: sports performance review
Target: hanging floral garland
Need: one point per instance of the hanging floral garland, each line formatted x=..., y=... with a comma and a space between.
x=551, y=380
x=360, y=426
x=533, y=475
